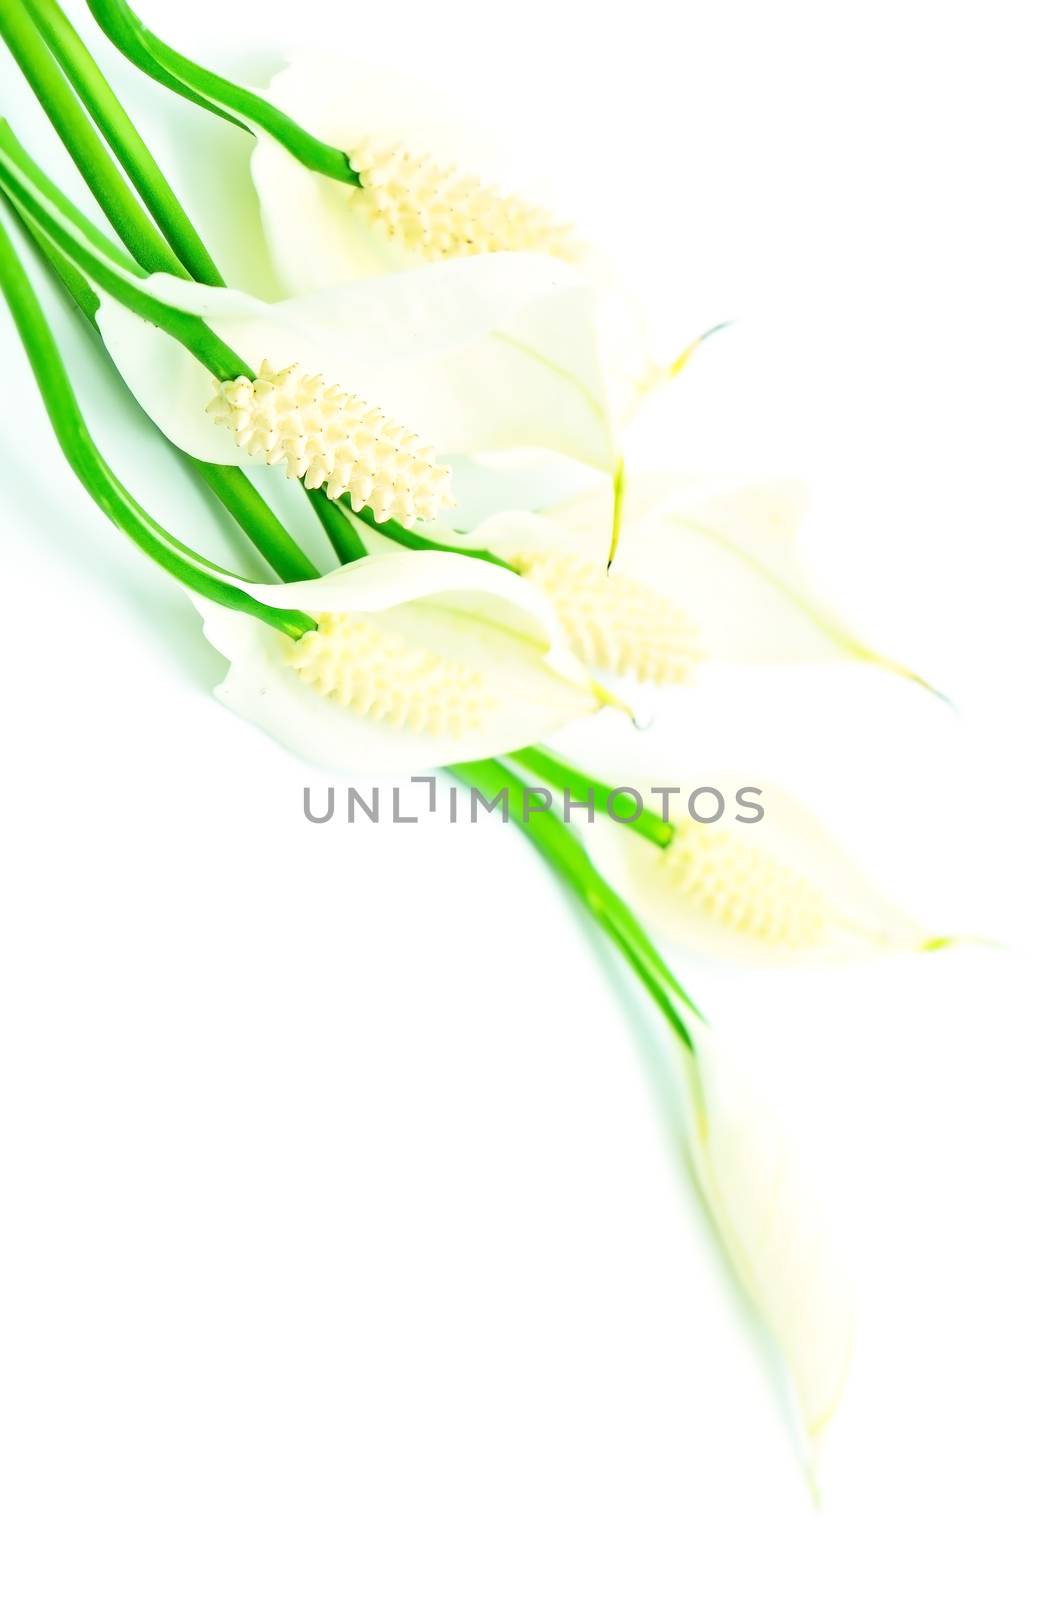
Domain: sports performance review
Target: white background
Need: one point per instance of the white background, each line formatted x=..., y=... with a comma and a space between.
x=343, y=1248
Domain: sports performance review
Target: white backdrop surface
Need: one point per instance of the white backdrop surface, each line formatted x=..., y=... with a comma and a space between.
x=343, y=1250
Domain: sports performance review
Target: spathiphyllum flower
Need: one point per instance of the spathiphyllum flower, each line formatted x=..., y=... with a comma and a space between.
x=430, y=190
x=764, y=883
x=357, y=385
x=417, y=659
x=770, y=1225
x=701, y=574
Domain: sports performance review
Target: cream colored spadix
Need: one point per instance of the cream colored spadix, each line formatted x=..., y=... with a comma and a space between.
x=418, y=659
x=778, y=890
x=770, y=1225
x=614, y=623
x=726, y=880
x=437, y=211
x=334, y=440
x=376, y=673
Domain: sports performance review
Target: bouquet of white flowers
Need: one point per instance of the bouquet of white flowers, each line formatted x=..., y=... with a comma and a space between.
x=447, y=384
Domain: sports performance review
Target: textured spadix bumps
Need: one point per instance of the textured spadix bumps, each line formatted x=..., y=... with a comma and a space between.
x=335, y=440
x=726, y=879
x=437, y=211
x=379, y=674
x=418, y=659
x=613, y=623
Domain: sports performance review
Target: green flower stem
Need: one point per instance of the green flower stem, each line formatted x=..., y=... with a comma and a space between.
x=623, y=809
x=125, y=283
x=63, y=230
x=215, y=93
x=342, y=532
x=17, y=153
x=78, y=288
x=229, y=484
x=81, y=140
x=109, y=493
x=569, y=858
x=118, y=130
x=419, y=541
x=108, y=186
x=47, y=212
x=257, y=519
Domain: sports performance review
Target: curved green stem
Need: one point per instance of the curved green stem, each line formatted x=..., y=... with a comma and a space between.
x=583, y=789
x=411, y=540
x=252, y=512
x=340, y=529
x=126, y=284
x=17, y=153
x=230, y=485
x=81, y=140
x=214, y=93
x=118, y=130
x=109, y=493
x=66, y=234
x=568, y=856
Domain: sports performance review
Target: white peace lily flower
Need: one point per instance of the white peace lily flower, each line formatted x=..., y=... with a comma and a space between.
x=774, y=891
x=770, y=1225
x=492, y=353
x=419, y=659
x=433, y=189
x=700, y=575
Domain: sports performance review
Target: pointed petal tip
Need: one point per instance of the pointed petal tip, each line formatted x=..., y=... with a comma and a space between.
x=921, y=683
x=952, y=941
x=675, y=367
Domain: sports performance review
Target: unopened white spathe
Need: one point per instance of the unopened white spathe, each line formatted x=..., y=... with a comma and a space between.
x=492, y=353
x=334, y=440
x=419, y=659
x=770, y=1225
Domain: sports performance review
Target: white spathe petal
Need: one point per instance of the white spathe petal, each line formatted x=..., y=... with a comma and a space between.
x=524, y=480
x=489, y=353
x=729, y=557
x=466, y=613
x=771, y=1227
x=777, y=891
